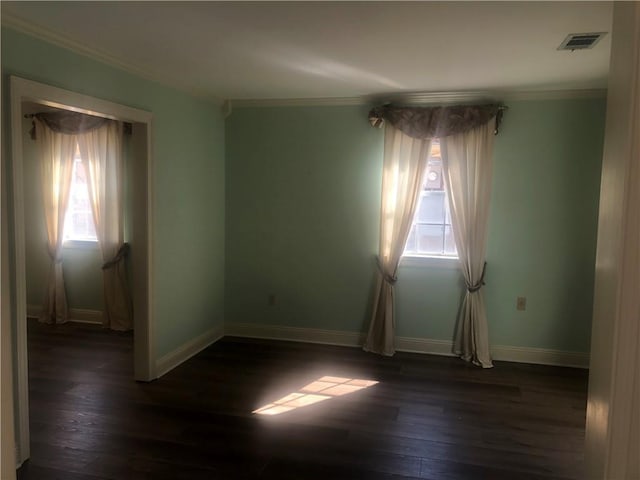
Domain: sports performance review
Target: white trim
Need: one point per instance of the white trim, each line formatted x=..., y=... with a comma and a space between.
x=76, y=315
x=612, y=440
x=171, y=360
x=145, y=369
x=578, y=94
x=83, y=315
x=8, y=445
x=35, y=92
x=18, y=95
x=45, y=34
x=497, y=95
x=22, y=90
x=542, y=356
x=426, y=98
x=300, y=102
x=81, y=245
x=433, y=261
x=42, y=33
x=425, y=345
x=296, y=334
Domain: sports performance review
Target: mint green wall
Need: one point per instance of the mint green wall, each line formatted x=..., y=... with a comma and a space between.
x=302, y=185
x=188, y=179
x=544, y=222
x=303, y=192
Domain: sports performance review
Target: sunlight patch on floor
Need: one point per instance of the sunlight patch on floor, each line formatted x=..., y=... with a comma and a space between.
x=319, y=390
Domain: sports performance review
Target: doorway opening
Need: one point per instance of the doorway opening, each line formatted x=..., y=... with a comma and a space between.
x=27, y=95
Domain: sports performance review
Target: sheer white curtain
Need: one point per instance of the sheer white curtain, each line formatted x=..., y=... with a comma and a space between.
x=101, y=153
x=405, y=160
x=56, y=152
x=467, y=163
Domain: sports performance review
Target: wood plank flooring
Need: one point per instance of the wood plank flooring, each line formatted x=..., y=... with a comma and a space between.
x=428, y=417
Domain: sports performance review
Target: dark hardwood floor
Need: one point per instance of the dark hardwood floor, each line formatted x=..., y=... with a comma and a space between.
x=428, y=417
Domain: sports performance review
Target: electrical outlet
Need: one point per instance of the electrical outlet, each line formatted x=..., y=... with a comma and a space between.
x=272, y=299
x=521, y=303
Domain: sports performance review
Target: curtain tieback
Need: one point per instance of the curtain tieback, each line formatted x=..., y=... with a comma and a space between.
x=478, y=286
x=390, y=279
x=56, y=257
x=123, y=251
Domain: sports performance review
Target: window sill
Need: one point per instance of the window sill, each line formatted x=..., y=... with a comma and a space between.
x=80, y=245
x=430, y=261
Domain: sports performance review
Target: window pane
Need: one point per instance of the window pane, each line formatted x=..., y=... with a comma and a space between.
x=449, y=242
x=447, y=216
x=411, y=245
x=429, y=238
x=431, y=208
x=79, y=218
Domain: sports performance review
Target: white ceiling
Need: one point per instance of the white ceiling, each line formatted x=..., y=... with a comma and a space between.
x=263, y=50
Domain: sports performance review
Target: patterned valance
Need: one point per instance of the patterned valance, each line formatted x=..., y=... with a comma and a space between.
x=71, y=123
x=436, y=122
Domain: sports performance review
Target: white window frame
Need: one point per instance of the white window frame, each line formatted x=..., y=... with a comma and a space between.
x=429, y=259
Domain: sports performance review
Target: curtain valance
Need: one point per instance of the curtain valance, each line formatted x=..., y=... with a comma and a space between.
x=436, y=122
x=69, y=123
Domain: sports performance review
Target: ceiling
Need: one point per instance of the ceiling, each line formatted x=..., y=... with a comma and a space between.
x=267, y=50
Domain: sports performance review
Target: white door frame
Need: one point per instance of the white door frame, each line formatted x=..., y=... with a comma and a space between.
x=23, y=90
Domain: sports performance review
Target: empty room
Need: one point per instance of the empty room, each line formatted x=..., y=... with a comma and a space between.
x=299, y=240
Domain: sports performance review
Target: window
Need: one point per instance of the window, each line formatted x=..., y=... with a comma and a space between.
x=431, y=233
x=78, y=222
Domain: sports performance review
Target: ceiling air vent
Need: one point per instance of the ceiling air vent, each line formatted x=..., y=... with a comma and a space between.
x=581, y=41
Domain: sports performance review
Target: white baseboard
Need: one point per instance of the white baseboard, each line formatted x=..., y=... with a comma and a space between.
x=296, y=334
x=76, y=315
x=425, y=345
x=184, y=352
x=540, y=356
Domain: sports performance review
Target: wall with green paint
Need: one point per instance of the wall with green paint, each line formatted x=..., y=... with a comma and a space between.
x=543, y=224
x=302, y=223
x=303, y=192
x=188, y=179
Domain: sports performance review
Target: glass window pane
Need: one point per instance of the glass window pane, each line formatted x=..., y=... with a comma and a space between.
x=431, y=208
x=429, y=238
x=79, y=218
x=449, y=242
x=411, y=246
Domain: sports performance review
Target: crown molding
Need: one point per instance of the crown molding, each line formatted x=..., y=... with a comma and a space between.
x=42, y=33
x=569, y=94
x=426, y=98
x=301, y=102
x=494, y=95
